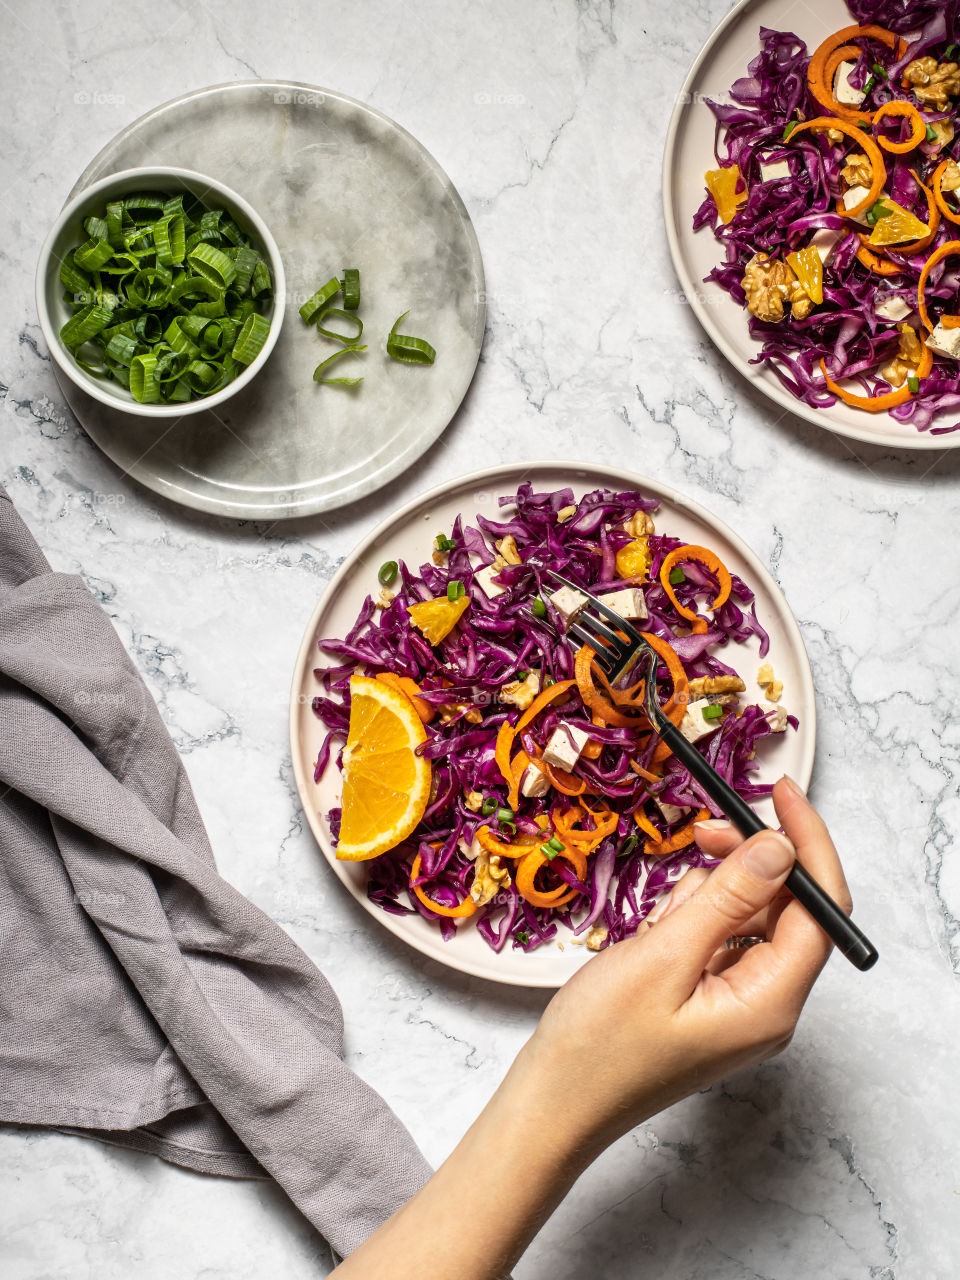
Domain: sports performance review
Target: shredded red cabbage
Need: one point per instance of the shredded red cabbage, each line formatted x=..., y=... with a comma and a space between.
x=781, y=215
x=465, y=676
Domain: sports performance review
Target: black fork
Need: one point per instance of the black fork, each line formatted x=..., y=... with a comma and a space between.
x=618, y=646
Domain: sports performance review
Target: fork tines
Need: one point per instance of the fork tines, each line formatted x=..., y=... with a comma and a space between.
x=616, y=652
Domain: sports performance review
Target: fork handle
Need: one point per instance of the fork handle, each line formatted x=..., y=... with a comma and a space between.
x=836, y=924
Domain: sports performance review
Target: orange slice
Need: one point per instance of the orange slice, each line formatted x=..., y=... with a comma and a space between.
x=437, y=618
x=722, y=185
x=386, y=785
x=896, y=226
x=633, y=560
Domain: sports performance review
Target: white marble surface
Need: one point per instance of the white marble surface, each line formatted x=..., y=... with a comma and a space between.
x=838, y=1159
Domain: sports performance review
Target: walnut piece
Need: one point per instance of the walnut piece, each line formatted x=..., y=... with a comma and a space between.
x=703, y=686
x=508, y=549
x=639, y=525
x=933, y=82
x=597, y=937
x=858, y=171
x=766, y=284
x=473, y=800
x=490, y=877
x=951, y=177
x=522, y=692
x=385, y=599
x=904, y=363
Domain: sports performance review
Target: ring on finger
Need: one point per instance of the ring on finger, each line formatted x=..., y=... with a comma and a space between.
x=735, y=943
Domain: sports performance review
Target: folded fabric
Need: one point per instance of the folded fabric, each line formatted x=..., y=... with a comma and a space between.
x=144, y=1001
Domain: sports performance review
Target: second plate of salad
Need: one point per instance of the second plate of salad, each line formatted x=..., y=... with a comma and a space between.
x=810, y=200
x=469, y=775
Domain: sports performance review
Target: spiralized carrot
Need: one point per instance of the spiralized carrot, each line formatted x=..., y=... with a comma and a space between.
x=504, y=849
x=937, y=183
x=508, y=732
x=820, y=124
x=918, y=126
x=530, y=865
x=703, y=555
x=679, y=840
x=821, y=87
x=877, y=404
x=946, y=250
x=466, y=908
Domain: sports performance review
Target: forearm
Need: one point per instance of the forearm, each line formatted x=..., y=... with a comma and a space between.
x=476, y=1215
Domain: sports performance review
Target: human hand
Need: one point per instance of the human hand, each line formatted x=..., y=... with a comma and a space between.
x=671, y=1011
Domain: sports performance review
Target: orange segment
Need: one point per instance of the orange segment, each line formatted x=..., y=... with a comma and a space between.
x=386, y=785
x=633, y=560
x=722, y=185
x=437, y=618
x=897, y=225
x=808, y=268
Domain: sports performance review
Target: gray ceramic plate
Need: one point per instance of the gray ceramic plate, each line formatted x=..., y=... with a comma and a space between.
x=339, y=185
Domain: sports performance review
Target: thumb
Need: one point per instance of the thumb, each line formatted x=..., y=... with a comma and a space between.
x=746, y=882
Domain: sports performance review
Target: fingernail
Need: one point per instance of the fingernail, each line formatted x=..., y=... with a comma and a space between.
x=769, y=858
x=794, y=787
x=713, y=824
x=658, y=910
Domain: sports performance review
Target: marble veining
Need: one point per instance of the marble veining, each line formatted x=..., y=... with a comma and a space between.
x=837, y=1159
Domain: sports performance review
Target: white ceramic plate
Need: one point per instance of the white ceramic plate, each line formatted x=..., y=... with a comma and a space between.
x=689, y=153
x=408, y=534
x=339, y=185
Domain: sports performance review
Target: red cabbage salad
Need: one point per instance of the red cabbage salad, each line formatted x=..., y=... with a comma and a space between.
x=555, y=811
x=837, y=202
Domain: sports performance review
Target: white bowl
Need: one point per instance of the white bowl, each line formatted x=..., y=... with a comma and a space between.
x=68, y=232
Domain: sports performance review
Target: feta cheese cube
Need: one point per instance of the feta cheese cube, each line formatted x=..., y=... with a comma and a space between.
x=693, y=726
x=851, y=198
x=535, y=782
x=563, y=749
x=946, y=342
x=671, y=812
x=825, y=241
x=774, y=172
x=484, y=580
x=894, y=309
x=629, y=603
x=568, y=603
x=843, y=90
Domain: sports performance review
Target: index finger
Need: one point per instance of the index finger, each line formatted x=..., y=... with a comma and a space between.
x=799, y=948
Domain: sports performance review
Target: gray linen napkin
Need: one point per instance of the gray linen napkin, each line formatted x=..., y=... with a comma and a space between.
x=144, y=1001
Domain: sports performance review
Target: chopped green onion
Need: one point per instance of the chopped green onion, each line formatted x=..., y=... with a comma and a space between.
x=931, y=133
x=348, y=340
x=337, y=382
x=455, y=589
x=950, y=51
x=548, y=681
x=156, y=306
x=509, y=827
x=350, y=284
x=538, y=607
x=868, y=85
x=522, y=937
x=789, y=128
x=677, y=576
x=504, y=815
x=443, y=543
x=628, y=846
x=250, y=339
x=488, y=806
x=387, y=572
x=879, y=71
x=407, y=350
x=713, y=712
x=313, y=305
x=522, y=675
x=914, y=384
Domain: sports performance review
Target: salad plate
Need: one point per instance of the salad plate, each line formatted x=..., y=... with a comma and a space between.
x=689, y=153
x=339, y=185
x=409, y=535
